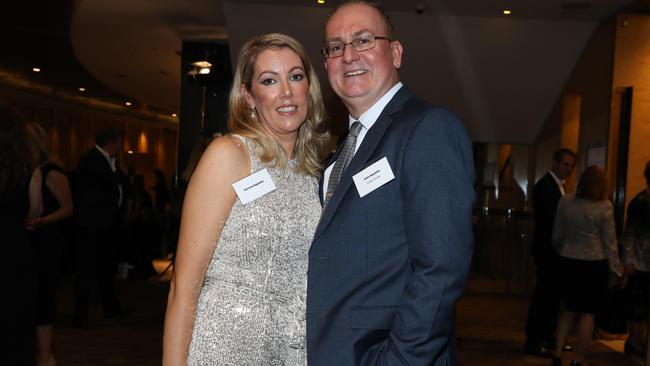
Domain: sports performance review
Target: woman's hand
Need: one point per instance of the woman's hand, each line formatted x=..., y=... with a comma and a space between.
x=33, y=223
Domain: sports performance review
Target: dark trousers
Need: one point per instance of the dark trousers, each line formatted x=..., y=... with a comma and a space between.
x=545, y=304
x=95, y=262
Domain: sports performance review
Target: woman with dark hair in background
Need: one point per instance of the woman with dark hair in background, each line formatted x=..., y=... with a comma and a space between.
x=47, y=240
x=585, y=237
x=20, y=199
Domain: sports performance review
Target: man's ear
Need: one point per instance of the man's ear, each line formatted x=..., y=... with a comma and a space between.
x=396, y=50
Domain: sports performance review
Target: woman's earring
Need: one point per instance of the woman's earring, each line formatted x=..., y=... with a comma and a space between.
x=253, y=112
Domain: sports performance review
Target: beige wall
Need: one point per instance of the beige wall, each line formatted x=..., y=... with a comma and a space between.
x=587, y=95
x=633, y=69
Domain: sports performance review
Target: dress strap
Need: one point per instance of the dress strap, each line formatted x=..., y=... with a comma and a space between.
x=253, y=156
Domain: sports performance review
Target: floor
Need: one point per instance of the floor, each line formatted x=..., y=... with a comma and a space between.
x=489, y=330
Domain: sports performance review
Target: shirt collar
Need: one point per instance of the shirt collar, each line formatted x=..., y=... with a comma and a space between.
x=560, y=182
x=369, y=117
x=110, y=159
x=104, y=152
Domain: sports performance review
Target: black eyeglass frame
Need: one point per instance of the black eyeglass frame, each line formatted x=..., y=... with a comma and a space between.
x=326, y=53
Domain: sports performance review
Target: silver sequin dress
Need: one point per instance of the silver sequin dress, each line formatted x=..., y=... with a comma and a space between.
x=251, y=309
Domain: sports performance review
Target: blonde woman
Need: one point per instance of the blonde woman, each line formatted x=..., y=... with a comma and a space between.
x=47, y=241
x=238, y=292
x=585, y=238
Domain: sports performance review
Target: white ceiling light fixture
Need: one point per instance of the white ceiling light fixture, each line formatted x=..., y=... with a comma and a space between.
x=200, y=68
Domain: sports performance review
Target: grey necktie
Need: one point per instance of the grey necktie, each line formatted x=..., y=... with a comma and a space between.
x=343, y=160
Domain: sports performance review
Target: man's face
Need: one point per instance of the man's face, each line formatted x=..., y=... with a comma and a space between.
x=113, y=148
x=361, y=78
x=564, y=167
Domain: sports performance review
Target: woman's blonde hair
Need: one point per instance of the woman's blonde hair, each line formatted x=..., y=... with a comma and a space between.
x=242, y=122
x=38, y=138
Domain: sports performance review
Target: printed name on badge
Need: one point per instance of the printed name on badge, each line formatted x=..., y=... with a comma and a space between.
x=373, y=177
x=254, y=186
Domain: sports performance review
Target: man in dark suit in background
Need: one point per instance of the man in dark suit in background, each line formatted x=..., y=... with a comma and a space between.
x=99, y=196
x=545, y=303
x=391, y=254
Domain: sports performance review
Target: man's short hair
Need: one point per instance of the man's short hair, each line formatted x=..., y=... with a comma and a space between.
x=646, y=172
x=107, y=136
x=559, y=154
x=372, y=4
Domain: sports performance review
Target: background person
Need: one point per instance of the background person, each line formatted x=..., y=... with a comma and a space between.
x=20, y=200
x=585, y=238
x=544, y=305
x=636, y=257
x=47, y=239
x=161, y=192
x=99, y=198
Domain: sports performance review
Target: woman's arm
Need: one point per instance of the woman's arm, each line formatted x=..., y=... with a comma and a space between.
x=35, y=195
x=58, y=185
x=207, y=205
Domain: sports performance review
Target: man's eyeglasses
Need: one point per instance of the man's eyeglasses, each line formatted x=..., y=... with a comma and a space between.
x=360, y=44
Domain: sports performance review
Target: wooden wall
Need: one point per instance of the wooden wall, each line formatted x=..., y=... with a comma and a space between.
x=148, y=144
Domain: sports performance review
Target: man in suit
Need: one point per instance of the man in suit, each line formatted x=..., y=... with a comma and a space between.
x=99, y=196
x=391, y=255
x=545, y=303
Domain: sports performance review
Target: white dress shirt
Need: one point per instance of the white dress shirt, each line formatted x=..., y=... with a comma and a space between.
x=558, y=181
x=111, y=161
x=367, y=119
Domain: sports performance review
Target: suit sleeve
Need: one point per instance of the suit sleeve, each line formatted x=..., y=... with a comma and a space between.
x=543, y=205
x=558, y=226
x=438, y=191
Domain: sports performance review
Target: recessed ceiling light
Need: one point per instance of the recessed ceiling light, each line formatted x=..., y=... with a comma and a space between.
x=36, y=69
x=174, y=115
x=128, y=103
x=82, y=89
x=507, y=12
x=130, y=152
x=321, y=1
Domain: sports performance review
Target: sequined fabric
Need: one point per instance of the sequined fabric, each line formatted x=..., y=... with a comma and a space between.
x=251, y=310
x=585, y=230
x=636, y=240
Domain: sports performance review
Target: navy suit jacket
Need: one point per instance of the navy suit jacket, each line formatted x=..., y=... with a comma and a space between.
x=97, y=192
x=546, y=197
x=386, y=270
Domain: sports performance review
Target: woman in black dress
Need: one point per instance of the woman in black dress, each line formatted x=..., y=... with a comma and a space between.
x=47, y=240
x=20, y=199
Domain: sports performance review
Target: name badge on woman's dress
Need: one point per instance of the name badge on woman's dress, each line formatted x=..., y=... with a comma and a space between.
x=254, y=186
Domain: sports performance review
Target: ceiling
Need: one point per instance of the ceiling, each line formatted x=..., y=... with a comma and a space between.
x=492, y=69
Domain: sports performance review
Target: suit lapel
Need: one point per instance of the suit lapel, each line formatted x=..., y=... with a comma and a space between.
x=370, y=142
x=101, y=159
